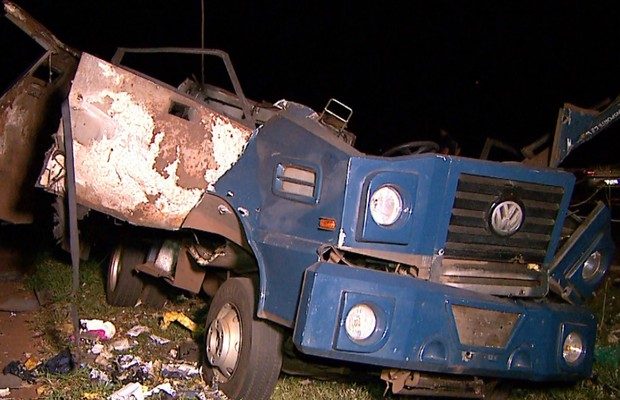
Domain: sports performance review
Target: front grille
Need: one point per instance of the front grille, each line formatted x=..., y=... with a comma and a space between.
x=470, y=236
x=503, y=279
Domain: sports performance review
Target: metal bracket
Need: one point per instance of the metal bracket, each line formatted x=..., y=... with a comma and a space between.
x=332, y=118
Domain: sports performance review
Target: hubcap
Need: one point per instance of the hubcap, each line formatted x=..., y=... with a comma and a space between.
x=223, y=342
x=114, y=268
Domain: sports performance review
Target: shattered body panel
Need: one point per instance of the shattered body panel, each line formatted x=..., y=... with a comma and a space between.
x=576, y=126
x=144, y=153
x=29, y=111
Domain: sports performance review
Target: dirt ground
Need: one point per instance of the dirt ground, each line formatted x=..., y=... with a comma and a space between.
x=16, y=334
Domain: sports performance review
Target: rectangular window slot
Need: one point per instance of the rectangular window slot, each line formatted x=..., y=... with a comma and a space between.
x=298, y=182
x=181, y=111
x=46, y=74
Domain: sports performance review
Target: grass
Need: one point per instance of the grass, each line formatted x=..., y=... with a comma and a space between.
x=53, y=321
x=54, y=275
x=301, y=388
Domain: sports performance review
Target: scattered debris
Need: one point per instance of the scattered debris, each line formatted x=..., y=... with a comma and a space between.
x=179, y=371
x=164, y=387
x=188, y=351
x=18, y=369
x=127, y=361
x=159, y=340
x=137, y=330
x=132, y=369
x=99, y=376
x=103, y=359
x=212, y=393
x=62, y=363
x=196, y=394
x=103, y=330
x=175, y=316
x=97, y=349
x=31, y=363
x=42, y=390
x=123, y=344
x=131, y=391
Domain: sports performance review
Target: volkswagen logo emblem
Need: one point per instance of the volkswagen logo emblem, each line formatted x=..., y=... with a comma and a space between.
x=506, y=218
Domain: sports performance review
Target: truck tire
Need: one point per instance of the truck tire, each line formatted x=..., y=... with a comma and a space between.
x=123, y=286
x=243, y=355
x=154, y=291
x=154, y=294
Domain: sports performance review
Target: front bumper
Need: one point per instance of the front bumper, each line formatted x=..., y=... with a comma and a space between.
x=424, y=326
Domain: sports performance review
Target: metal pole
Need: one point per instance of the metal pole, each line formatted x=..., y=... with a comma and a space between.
x=202, y=39
x=74, y=242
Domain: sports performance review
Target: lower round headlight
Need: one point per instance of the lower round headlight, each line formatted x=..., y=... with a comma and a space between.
x=591, y=266
x=361, y=322
x=572, y=349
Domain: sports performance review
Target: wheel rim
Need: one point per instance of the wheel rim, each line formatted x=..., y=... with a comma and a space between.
x=223, y=342
x=114, y=268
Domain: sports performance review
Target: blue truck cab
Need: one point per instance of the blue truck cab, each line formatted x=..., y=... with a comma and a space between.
x=426, y=263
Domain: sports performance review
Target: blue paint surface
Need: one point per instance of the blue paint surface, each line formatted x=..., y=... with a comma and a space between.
x=422, y=334
x=437, y=178
x=416, y=325
x=567, y=271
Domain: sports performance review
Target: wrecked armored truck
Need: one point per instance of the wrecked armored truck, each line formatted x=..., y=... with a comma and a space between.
x=434, y=269
x=439, y=272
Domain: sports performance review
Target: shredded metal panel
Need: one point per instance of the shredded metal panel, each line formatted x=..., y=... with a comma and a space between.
x=145, y=153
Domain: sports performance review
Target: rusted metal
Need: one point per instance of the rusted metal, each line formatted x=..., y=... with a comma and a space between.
x=417, y=383
x=245, y=105
x=188, y=275
x=29, y=111
x=35, y=29
x=145, y=153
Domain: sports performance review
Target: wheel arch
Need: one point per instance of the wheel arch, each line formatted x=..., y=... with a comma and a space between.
x=214, y=214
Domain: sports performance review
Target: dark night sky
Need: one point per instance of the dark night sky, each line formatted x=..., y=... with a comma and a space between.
x=477, y=69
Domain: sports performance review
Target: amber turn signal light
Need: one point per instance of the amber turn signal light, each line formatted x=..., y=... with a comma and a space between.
x=327, y=224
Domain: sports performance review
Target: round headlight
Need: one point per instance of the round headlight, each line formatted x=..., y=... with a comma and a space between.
x=572, y=348
x=592, y=266
x=361, y=322
x=386, y=205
